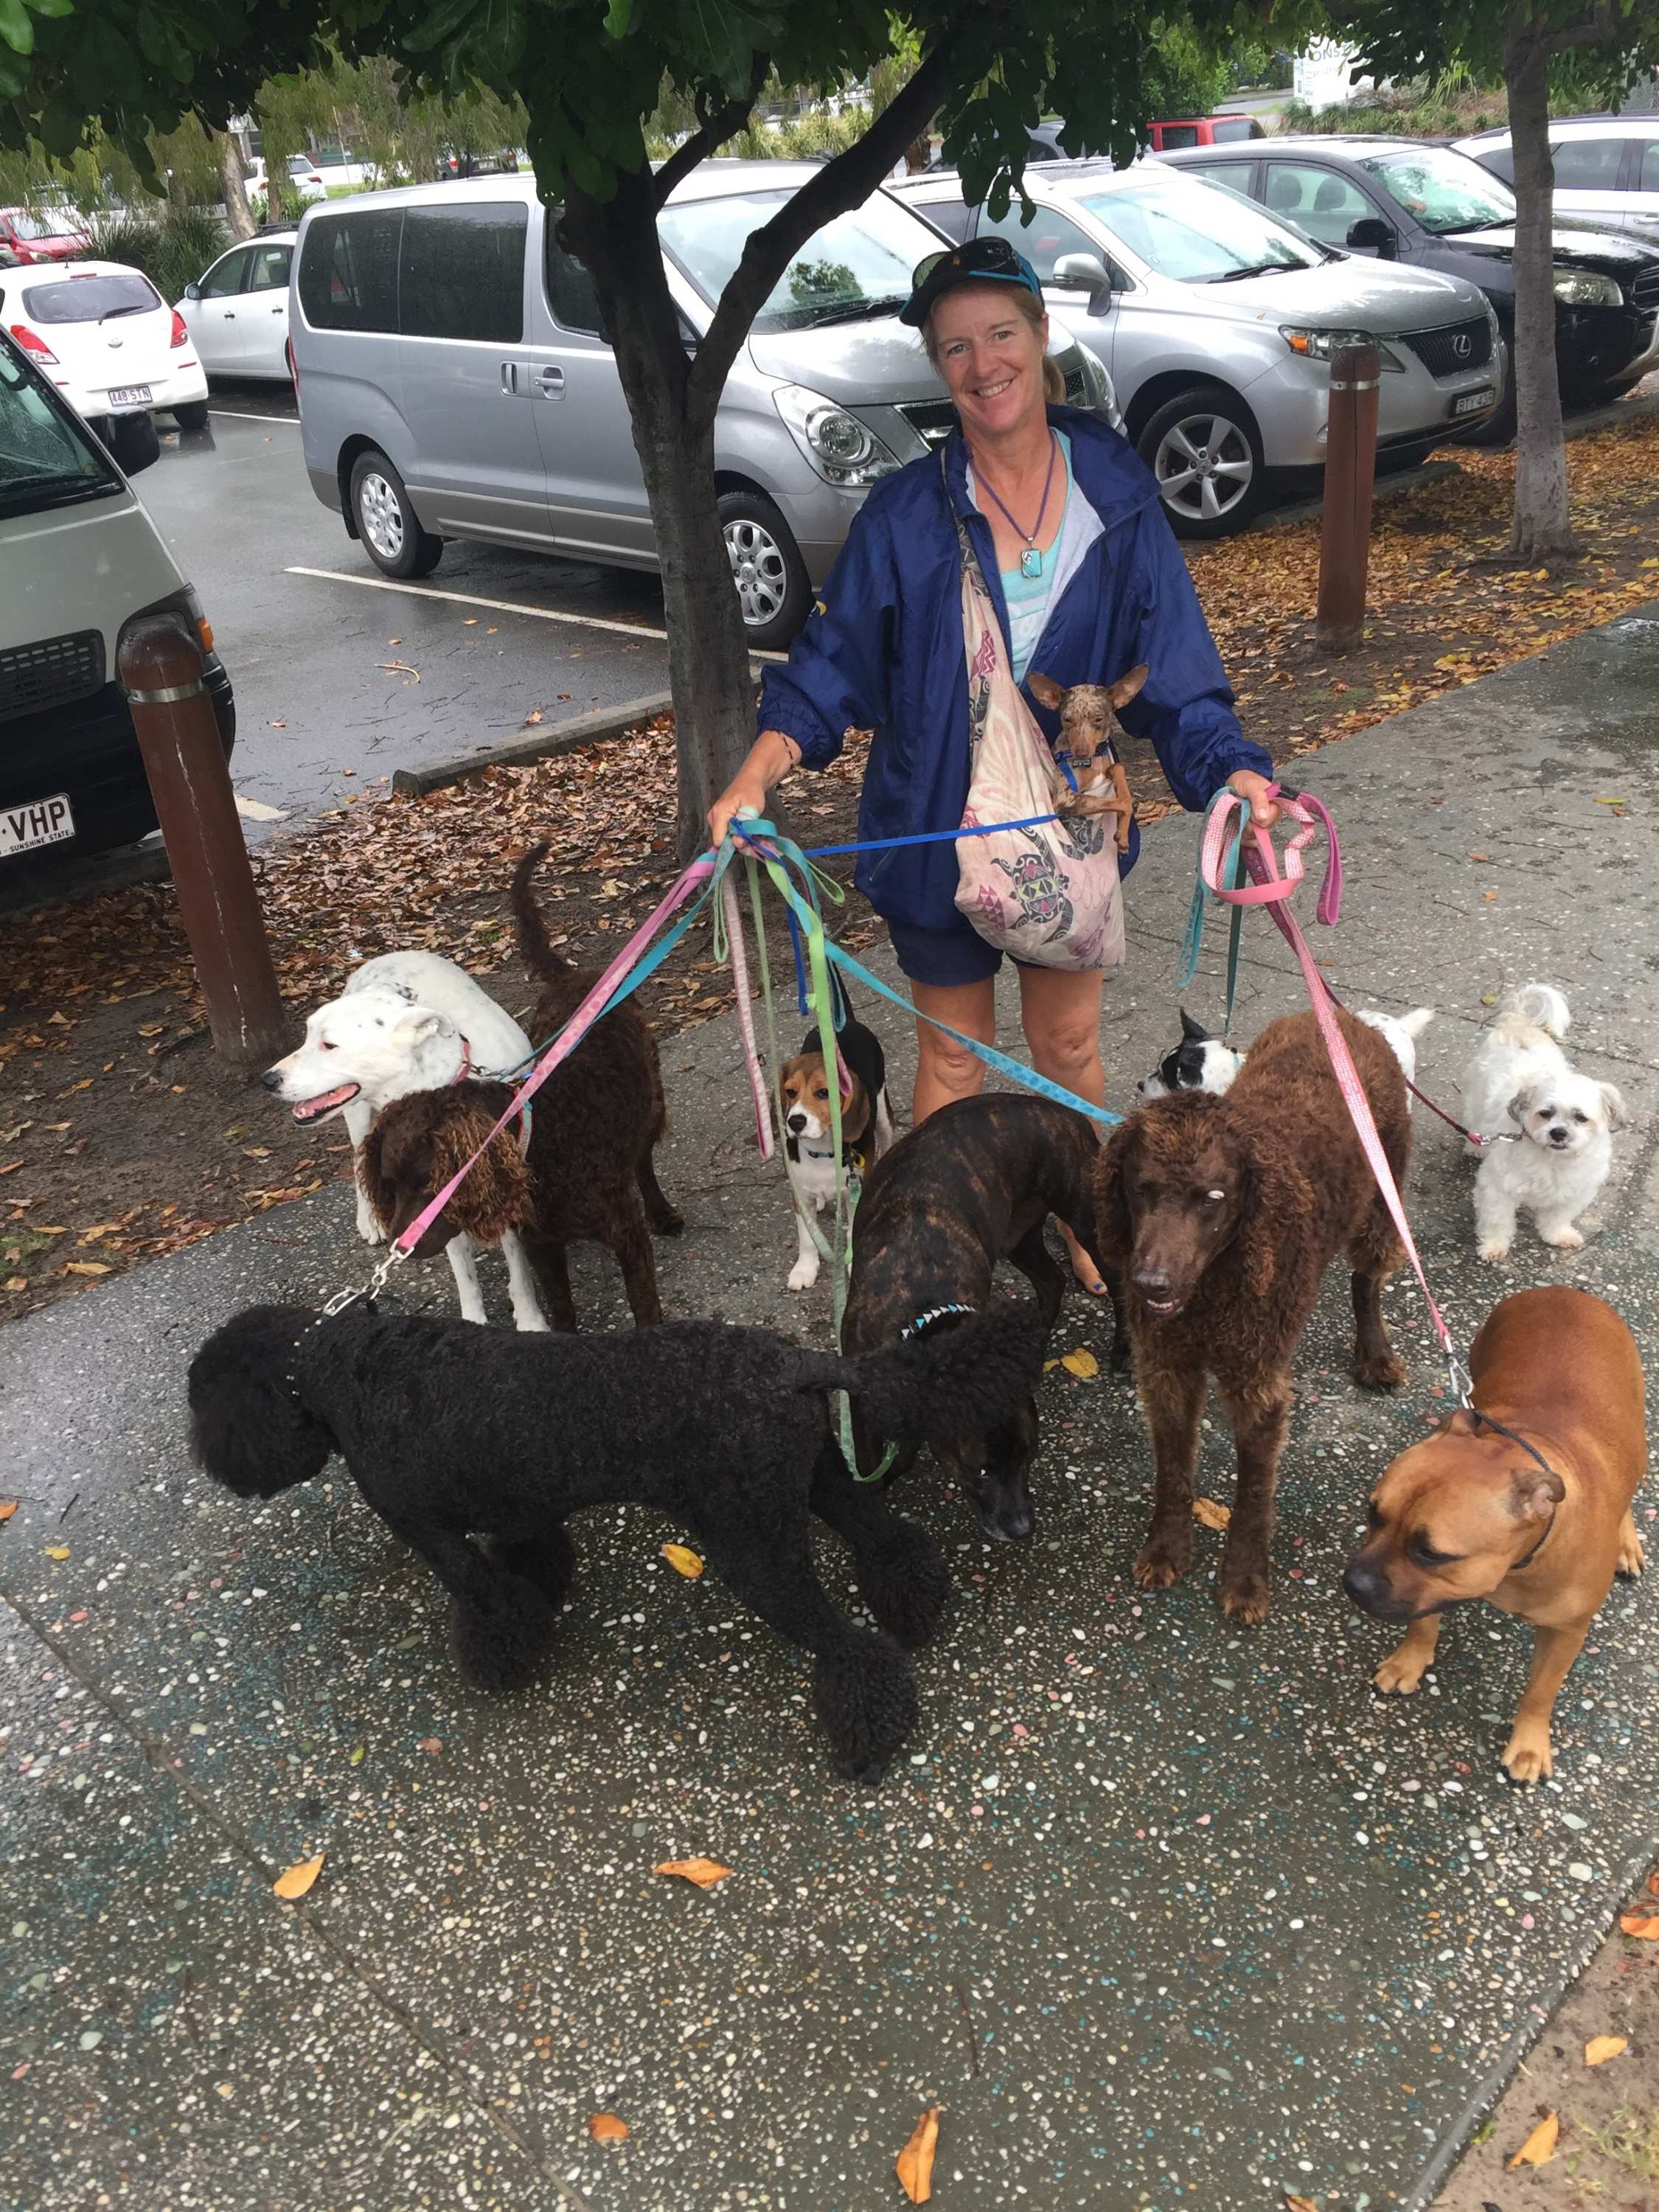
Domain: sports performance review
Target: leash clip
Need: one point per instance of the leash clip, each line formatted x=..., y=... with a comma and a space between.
x=1462, y=1381
x=371, y=1288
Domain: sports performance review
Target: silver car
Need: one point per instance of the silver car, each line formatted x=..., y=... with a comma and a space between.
x=1607, y=169
x=455, y=381
x=1217, y=324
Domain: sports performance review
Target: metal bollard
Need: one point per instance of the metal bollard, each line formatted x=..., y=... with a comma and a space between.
x=161, y=671
x=1344, y=543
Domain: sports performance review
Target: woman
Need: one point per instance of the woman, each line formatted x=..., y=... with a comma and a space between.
x=1087, y=581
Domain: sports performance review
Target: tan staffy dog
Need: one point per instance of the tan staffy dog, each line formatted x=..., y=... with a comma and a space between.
x=1537, y=1519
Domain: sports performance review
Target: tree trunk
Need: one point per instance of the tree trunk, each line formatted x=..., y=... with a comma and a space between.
x=237, y=211
x=1543, y=525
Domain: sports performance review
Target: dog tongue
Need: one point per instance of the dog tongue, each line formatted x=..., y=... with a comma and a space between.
x=325, y=1102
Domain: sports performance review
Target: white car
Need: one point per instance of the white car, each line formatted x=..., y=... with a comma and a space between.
x=236, y=313
x=1607, y=169
x=105, y=336
x=304, y=177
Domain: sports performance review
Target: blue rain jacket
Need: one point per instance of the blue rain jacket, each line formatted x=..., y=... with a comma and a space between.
x=882, y=651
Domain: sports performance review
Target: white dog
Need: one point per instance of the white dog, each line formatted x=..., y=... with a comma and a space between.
x=1402, y=1031
x=1519, y=1077
x=408, y=1021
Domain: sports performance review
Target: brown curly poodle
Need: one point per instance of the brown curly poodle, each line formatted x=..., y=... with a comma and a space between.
x=1222, y=1215
x=586, y=1172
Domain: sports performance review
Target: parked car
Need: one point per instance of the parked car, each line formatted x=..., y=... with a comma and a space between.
x=1431, y=208
x=83, y=562
x=1607, y=169
x=1203, y=130
x=304, y=177
x=236, y=312
x=1217, y=325
x=41, y=233
x=103, y=334
x=455, y=379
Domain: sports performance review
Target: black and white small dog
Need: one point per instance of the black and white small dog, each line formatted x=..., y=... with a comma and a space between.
x=866, y=1127
x=1199, y=1062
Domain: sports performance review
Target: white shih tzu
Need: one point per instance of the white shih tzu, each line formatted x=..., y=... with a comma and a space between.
x=1520, y=1080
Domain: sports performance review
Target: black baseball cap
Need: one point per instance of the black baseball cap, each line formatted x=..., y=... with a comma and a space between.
x=979, y=261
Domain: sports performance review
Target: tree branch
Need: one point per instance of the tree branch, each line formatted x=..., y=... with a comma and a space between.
x=1599, y=31
x=844, y=183
x=713, y=131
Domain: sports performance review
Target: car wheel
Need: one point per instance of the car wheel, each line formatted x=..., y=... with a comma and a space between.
x=192, y=416
x=392, y=536
x=1204, y=448
x=773, y=589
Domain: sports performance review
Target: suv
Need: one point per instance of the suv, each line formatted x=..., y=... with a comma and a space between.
x=1217, y=325
x=1607, y=169
x=1424, y=206
x=456, y=380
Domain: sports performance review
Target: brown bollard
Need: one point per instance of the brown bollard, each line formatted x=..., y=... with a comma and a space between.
x=1344, y=543
x=160, y=670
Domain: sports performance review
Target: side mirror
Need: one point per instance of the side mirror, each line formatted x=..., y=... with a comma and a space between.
x=192, y=291
x=131, y=440
x=1370, y=235
x=1085, y=272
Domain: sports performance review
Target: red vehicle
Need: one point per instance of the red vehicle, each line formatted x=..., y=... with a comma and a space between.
x=1203, y=130
x=38, y=234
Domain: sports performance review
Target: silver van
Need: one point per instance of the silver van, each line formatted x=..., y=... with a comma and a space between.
x=455, y=382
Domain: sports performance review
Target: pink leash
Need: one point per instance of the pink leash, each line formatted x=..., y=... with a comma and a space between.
x=1273, y=890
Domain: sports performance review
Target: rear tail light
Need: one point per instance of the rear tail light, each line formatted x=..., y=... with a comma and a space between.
x=35, y=348
x=180, y=335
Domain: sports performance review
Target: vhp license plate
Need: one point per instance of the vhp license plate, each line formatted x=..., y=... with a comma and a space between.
x=130, y=395
x=1473, y=402
x=42, y=822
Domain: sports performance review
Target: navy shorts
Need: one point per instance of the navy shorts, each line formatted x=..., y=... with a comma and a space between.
x=944, y=957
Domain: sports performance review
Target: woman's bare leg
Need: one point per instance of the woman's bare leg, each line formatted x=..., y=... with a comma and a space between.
x=945, y=1069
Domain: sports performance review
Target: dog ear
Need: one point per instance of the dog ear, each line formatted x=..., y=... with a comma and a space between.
x=1193, y=1032
x=417, y=1025
x=1518, y=1106
x=1262, y=1237
x=1125, y=689
x=499, y=1193
x=1533, y=1495
x=1113, y=1230
x=1045, y=689
x=1614, y=1106
x=371, y=1178
x=247, y=1427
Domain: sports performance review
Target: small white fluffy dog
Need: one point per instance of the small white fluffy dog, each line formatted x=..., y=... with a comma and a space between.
x=1519, y=1078
x=407, y=1021
x=1402, y=1031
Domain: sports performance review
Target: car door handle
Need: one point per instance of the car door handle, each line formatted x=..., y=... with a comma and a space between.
x=230, y=314
x=551, y=382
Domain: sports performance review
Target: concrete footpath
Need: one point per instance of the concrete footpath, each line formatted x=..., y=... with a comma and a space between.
x=1157, y=1912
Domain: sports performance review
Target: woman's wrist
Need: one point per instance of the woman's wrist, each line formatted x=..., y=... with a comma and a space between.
x=778, y=753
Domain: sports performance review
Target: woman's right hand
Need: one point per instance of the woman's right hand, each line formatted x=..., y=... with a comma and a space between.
x=747, y=789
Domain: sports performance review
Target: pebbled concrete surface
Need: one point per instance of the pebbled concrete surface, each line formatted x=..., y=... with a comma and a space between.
x=1159, y=1912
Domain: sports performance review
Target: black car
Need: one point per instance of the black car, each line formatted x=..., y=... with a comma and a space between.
x=1406, y=200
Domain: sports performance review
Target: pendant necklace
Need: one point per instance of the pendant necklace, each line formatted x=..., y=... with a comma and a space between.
x=1030, y=560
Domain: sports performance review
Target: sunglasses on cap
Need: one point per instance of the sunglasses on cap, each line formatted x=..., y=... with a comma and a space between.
x=980, y=260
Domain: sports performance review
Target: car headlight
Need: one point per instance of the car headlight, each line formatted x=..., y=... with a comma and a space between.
x=1320, y=346
x=842, y=450
x=1582, y=288
x=1097, y=386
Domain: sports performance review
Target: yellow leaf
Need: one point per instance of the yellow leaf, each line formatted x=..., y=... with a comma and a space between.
x=914, y=2163
x=682, y=1561
x=298, y=1878
x=1081, y=1363
x=17, y=1282
x=84, y=1267
x=1644, y=1925
x=7, y=1507
x=1211, y=1515
x=1539, y=2148
x=1300, y=2203
x=57, y=1551
x=1601, y=2048
x=704, y=1872
x=1612, y=802
x=605, y=2127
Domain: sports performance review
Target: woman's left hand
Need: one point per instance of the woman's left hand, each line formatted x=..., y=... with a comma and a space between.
x=1253, y=789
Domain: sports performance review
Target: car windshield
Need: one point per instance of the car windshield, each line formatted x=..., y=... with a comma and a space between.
x=1446, y=191
x=91, y=299
x=858, y=265
x=25, y=225
x=45, y=457
x=1196, y=234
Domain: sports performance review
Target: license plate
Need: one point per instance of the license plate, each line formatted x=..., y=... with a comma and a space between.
x=42, y=822
x=130, y=395
x=1473, y=402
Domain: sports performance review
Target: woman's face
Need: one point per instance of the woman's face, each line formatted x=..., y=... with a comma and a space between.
x=990, y=357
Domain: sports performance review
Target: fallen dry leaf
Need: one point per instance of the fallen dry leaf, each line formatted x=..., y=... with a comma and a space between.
x=914, y=2163
x=1300, y=2203
x=1539, y=2148
x=57, y=1551
x=298, y=1878
x=1211, y=1515
x=7, y=1507
x=605, y=2127
x=1601, y=2048
x=683, y=1562
x=1643, y=1925
x=84, y=1267
x=704, y=1872
x=1081, y=1363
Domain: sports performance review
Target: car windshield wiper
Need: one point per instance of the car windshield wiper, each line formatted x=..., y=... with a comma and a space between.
x=854, y=311
x=1257, y=269
x=110, y=313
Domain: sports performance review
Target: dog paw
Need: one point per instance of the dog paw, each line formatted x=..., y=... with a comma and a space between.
x=803, y=1274
x=1400, y=1673
x=369, y=1228
x=1527, y=1759
x=1245, y=1597
x=1632, y=1557
x=506, y=1647
x=1160, y=1564
x=532, y=1324
x=1564, y=1240
x=1494, y=1249
x=1381, y=1371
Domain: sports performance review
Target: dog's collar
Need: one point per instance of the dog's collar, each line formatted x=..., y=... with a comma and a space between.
x=1533, y=1453
x=924, y=1321
x=365, y=1292
x=524, y=1111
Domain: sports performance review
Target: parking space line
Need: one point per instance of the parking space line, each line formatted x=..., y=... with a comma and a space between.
x=471, y=599
x=240, y=414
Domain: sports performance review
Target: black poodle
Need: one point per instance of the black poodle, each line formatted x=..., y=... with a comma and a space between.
x=453, y=1431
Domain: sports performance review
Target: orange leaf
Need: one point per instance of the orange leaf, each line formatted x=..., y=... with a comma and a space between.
x=298, y=1878
x=682, y=1561
x=605, y=2127
x=1539, y=2148
x=704, y=1872
x=1211, y=1515
x=1646, y=1925
x=914, y=2163
x=1601, y=2048
x=7, y=1507
x=1300, y=2203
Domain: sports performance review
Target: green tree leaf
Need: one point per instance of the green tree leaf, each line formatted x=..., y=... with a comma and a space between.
x=15, y=29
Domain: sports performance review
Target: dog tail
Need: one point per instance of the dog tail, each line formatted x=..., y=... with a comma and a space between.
x=1417, y=1021
x=1542, y=1004
x=973, y=1376
x=534, y=946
